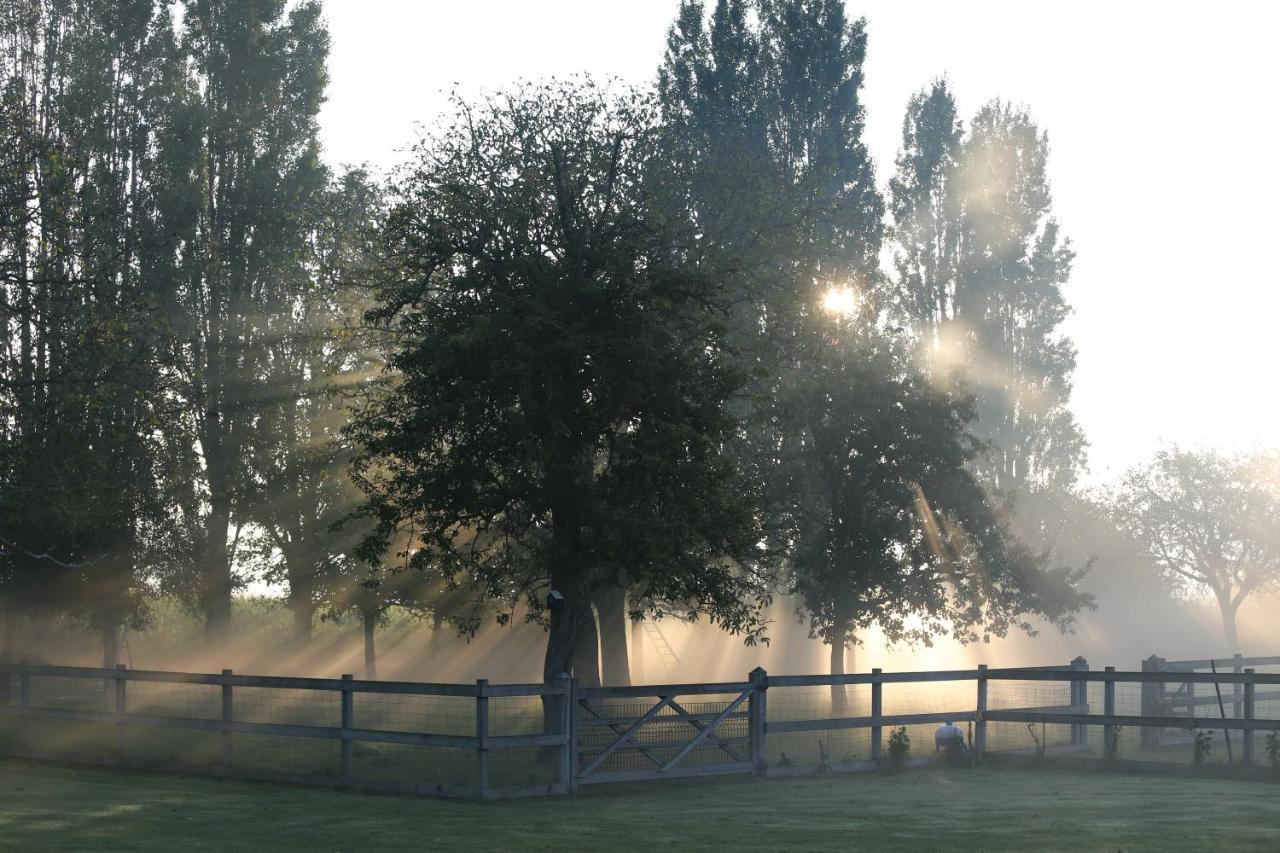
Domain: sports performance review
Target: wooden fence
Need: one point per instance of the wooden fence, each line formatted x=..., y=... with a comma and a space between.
x=568, y=735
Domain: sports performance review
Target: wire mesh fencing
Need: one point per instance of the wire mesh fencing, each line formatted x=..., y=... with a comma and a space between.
x=482, y=740
x=450, y=739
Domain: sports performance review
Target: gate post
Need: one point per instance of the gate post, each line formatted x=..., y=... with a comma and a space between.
x=1079, y=696
x=348, y=723
x=1109, y=710
x=482, y=737
x=120, y=686
x=980, y=727
x=877, y=710
x=228, y=714
x=757, y=715
x=1237, y=666
x=568, y=766
x=1152, y=701
x=1248, y=715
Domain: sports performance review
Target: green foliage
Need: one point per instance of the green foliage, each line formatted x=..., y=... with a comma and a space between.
x=1273, y=751
x=559, y=419
x=1201, y=746
x=979, y=267
x=899, y=747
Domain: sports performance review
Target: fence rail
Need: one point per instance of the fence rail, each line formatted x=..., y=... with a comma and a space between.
x=485, y=740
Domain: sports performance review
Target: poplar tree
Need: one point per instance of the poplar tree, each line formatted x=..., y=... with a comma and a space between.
x=980, y=263
x=250, y=153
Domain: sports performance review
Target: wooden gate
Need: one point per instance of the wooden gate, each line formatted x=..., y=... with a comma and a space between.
x=666, y=731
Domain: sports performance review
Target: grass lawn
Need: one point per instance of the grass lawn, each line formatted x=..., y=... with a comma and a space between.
x=46, y=807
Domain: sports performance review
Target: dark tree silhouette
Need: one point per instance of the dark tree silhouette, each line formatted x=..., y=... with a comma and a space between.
x=559, y=413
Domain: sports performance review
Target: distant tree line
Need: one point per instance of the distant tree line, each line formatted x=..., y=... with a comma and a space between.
x=592, y=355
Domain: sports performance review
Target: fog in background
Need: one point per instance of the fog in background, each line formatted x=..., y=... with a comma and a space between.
x=1157, y=121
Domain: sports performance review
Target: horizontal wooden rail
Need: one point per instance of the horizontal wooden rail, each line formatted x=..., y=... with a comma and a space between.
x=641, y=691
x=281, y=682
x=889, y=720
x=1227, y=699
x=288, y=730
x=1012, y=674
x=1125, y=720
x=1207, y=663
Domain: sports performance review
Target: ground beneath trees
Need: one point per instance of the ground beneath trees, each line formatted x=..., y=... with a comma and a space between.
x=58, y=808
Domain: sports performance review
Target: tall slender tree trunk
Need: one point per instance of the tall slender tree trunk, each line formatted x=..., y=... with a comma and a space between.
x=301, y=599
x=369, y=620
x=217, y=581
x=611, y=605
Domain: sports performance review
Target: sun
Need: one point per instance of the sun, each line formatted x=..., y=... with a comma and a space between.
x=842, y=301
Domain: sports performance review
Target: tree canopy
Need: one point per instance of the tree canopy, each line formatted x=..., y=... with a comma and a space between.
x=558, y=417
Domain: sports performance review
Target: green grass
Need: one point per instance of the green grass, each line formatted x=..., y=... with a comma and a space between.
x=45, y=807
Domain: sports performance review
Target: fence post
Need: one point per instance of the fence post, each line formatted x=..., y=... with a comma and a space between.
x=757, y=715
x=1109, y=710
x=348, y=723
x=24, y=722
x=1152, y=701
x=574, y=763
x=564, y=686
x=877, y=710
x=1079, y=696
x=228, y=714
x=1237, y=666
x=980, y=724
x=121, y=707
x=1248, y=715
x=482, y=737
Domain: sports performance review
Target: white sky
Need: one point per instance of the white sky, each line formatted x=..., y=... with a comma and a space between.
x=1163, y=124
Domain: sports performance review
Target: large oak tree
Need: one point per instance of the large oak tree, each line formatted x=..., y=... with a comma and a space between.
x=556, y=417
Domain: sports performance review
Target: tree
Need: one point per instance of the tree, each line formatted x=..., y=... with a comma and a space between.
x=925, y=232
x=298, y=488
x=557, y=416
x=1208, y=522
x=246, y=160
x=979, y=267
x=85, y=467
x=891, y=527
x=762, y=101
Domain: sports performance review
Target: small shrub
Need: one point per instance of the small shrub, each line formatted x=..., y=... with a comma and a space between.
x=1202, y=745
x=1273, y=752
x=899, y=747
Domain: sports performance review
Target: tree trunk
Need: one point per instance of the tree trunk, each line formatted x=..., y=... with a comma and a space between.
x=370, y=622
x=10, y=615
x=637, y=649
x=839, y=637
x=569, y=619
x=301, y=602
x=1229, y=626
x=217, y=581
x=611, y=605
x=110, y=645
x=586, y=649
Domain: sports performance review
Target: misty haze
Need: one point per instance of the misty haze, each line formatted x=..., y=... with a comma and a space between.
x=695, y=424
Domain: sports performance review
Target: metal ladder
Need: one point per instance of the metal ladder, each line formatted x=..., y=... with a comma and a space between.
x=659, y=640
